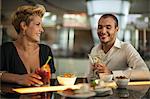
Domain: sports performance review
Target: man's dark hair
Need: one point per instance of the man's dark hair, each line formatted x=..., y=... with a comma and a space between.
x=112, y=16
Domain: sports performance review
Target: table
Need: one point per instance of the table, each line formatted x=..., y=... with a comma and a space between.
x=134, y=92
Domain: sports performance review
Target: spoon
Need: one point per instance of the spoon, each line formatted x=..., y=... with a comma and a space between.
x=91, y=59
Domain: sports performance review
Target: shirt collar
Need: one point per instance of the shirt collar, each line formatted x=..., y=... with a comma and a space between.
x=117, y=43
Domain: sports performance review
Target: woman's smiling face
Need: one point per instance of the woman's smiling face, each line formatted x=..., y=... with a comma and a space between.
x=34, y=29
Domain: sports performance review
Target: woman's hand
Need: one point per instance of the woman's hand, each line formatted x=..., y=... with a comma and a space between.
x=102, y=68
x=29, y=79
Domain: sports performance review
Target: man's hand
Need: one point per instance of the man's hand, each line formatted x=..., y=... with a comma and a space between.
x=102, y=68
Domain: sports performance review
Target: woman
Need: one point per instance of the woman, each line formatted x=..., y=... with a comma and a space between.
x=20, y=58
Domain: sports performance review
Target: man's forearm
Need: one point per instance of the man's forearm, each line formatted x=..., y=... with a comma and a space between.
x=133, y=74
x=138, y=74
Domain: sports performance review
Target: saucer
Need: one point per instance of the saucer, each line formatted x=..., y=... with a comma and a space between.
x=80, y=95
x=103, y=91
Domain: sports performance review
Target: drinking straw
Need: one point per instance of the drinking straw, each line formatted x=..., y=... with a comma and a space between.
x=49, y=58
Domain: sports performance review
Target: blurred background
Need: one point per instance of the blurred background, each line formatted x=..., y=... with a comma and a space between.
x=70, y=28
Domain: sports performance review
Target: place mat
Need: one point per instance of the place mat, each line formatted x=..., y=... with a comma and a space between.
x=57, y=88
x=114, y=85
x=139, y=83
x=44, y=89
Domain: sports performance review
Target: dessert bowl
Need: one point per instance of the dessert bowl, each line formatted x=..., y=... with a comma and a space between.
x=105, y=77
x=66, y=79
x=122, y=81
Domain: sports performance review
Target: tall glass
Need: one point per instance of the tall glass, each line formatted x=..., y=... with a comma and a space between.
x=45, y=74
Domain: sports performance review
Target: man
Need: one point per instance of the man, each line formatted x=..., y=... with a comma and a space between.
x=117, y=57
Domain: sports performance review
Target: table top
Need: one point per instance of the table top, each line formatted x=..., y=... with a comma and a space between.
x=133, y=91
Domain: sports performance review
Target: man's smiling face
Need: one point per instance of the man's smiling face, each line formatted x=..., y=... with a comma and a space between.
x=107, y=29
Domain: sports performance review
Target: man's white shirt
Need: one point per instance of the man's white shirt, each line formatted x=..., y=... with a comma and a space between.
x=123, y=59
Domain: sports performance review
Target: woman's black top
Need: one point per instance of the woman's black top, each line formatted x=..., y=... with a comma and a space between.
x=12, y=63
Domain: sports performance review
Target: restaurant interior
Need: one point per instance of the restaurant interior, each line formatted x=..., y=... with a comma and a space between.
x=70, y=28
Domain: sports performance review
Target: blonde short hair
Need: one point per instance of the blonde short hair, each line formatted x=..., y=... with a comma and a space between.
x=24, y=13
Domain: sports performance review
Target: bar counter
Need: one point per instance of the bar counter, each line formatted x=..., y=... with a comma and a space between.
x=133, y=91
